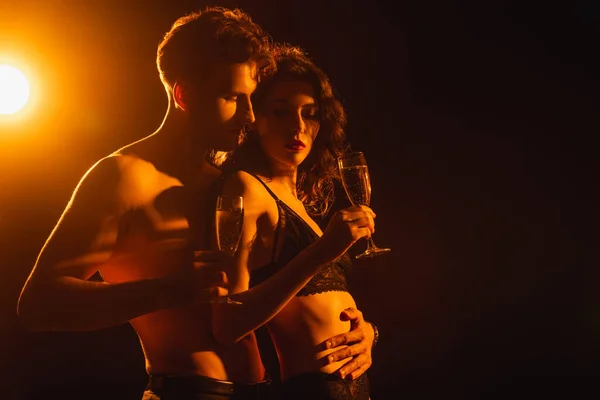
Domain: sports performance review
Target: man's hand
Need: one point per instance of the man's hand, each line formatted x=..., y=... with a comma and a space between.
x=203, y=283
x=187, y=277
x=359, y=341
x=208, y=275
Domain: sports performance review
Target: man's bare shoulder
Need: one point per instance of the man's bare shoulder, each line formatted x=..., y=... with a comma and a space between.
x=126, y=180
x=98, y=184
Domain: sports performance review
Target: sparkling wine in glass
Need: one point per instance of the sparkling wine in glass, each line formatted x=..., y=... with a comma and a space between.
x=229, y=218
x=357, y=184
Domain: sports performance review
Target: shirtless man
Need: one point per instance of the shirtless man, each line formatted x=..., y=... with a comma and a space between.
x=140, y=216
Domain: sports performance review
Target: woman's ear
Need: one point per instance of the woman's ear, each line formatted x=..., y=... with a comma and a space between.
x=181, y=94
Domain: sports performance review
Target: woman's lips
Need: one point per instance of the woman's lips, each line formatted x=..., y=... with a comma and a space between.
x=296, y=145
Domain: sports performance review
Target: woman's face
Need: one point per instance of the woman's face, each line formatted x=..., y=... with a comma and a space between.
x=288, y=123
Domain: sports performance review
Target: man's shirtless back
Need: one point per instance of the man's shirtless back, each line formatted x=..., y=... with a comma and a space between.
x=155, y=224
x=141, y=216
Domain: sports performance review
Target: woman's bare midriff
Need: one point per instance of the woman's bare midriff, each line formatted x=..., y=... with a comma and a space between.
x=301, y=328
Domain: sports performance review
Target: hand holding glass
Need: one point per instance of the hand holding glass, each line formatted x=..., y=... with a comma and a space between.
x=229, y=218
x=357, y=184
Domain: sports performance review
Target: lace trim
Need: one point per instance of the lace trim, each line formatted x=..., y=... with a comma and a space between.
x=320, y=386
x=294, y=234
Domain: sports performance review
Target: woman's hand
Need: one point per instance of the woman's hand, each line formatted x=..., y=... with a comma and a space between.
x=346, y=227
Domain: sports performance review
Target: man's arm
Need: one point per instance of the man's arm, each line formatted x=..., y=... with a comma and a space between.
x=58, y=296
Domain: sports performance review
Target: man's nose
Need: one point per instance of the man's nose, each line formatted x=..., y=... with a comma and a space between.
x=248, y=112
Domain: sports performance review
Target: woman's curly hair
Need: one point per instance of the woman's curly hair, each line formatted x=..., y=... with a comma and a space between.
x=316, y=175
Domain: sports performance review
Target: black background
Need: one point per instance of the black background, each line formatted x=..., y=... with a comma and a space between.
x=477, y=121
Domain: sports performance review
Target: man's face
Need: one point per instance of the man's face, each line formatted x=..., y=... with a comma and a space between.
x=221, y=107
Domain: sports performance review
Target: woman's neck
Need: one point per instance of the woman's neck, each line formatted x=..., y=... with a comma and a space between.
x=286, y=177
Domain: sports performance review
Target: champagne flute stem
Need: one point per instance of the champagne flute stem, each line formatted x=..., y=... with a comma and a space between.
x=370, y=244
x=372, y=250
x=224, y=299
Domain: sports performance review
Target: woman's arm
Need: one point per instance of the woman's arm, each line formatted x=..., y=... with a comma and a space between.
x=231, y=322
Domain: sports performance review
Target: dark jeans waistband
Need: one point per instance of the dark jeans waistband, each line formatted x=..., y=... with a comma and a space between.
x=202, y=384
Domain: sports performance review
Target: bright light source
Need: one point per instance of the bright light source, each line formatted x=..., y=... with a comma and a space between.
x=14, y=89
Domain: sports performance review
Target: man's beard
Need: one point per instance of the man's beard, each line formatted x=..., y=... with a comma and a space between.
x=217, y=157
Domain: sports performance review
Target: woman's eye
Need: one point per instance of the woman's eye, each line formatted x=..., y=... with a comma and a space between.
x=314, y=115
x=230, y=98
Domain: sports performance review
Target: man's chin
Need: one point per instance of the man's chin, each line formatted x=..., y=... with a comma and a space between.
x=227, y=149
x=217, y=157
x=231, y=146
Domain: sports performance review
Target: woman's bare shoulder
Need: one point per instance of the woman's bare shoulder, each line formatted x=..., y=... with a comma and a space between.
x=256, y=197
x=243, y=183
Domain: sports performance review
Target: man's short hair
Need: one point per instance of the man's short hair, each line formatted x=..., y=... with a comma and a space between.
x=200, y=40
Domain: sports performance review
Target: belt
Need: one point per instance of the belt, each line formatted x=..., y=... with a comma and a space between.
x=190, y=385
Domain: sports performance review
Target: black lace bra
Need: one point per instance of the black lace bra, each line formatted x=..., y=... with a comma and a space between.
x=292, y=235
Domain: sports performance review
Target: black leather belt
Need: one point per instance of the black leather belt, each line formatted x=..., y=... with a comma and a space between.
x=185, y=387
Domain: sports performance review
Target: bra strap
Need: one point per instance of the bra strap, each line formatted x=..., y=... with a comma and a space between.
x=279, y=213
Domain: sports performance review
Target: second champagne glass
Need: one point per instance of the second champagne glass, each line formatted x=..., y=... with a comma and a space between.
x=229, y=218
x=357, y=184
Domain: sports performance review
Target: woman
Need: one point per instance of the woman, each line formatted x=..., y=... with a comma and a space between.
x=284, y=169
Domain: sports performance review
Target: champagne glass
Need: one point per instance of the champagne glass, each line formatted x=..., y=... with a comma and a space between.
x=229, y=218
x=357, y=184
